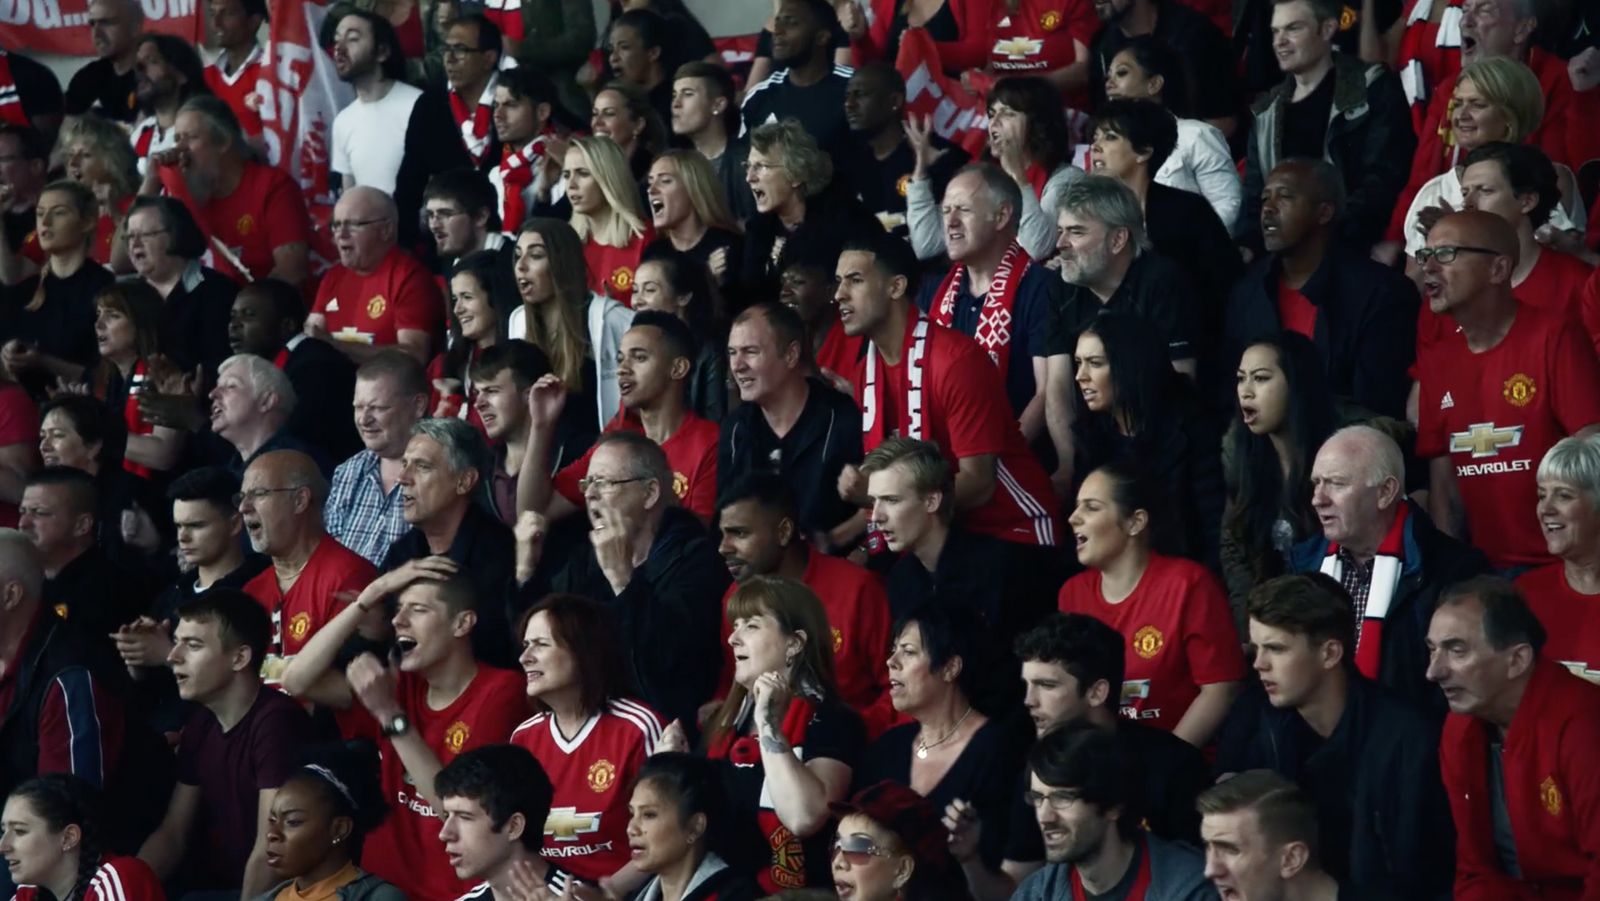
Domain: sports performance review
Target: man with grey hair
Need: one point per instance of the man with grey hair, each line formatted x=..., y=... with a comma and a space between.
x=1386, y=553
x=444, y=498
x=250, y=410
x=650, y=562
x=996, y=295
x=1107, y=264
x=1361, y=314
x=378, y=296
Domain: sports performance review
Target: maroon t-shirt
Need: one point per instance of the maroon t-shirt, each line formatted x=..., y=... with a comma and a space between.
x=231, y=769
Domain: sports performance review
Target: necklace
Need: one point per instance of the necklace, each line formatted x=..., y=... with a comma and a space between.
x=922, y=746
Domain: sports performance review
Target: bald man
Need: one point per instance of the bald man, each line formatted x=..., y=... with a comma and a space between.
x=281, y=501
x=1509, y=382
x=378, y=296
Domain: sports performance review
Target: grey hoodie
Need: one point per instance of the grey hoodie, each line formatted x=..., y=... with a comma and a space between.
x=1177, y=873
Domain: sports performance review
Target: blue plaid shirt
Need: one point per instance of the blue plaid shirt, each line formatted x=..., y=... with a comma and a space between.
x=358, y=514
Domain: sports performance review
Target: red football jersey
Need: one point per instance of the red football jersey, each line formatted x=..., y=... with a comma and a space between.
x=1038, y=37
x=1496, y=413
x=1571, y=620
x=611, y=269
x=691, y=450
x=373, y=308
x=1180, y=635
x=312, y=600
x=593, y=773
x=239, y=90
x=406, y=849
x=1556, y=284
x=117, y=879
x=265, y=211
x=840, y=354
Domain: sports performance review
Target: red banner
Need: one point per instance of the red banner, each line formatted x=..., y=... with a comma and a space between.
x=959, y=115
x=62, y=26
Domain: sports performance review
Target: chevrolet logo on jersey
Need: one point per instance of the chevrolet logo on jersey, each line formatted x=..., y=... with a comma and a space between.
x=565, y=824
x=1482, y=439
x=1019, y=47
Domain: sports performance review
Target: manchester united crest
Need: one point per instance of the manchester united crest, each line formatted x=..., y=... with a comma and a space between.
x=838, y=640
x=1550, y=796
x=680, y=485
x=622, y=279
x=245, y=225
x=299, y=626
x=455, y=737
x=1148, y=642
x=376, y=307
x=1519, y=390
x=901, y=186
x=1051, y=20
x=602, y=775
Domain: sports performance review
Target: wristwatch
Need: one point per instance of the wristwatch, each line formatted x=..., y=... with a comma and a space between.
x=398, y=724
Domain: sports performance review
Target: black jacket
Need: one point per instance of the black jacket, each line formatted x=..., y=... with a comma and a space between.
x=810, y=457
x=428, y=150
x=486, y=552
x=1186, y=230
x=1384, y=815
x=668, y=618
x=1366, y=324
x=832, y=217
x=324, y=383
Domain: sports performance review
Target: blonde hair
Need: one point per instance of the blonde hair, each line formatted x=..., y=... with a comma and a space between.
x=1511, y=87
x=558, y=326
x=798, y=612
x=108, y=142
x=623, y=218
x=706, y=194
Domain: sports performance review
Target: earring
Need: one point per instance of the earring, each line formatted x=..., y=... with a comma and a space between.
x=337, y=840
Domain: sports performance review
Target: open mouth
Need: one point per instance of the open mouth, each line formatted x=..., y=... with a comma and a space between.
x=404, y=644
x=759, y=195
x=625, y=387
x=657, y=206
x=1080, y=540
x=1469, y=43
x=1249, y=414
x=1551, y=525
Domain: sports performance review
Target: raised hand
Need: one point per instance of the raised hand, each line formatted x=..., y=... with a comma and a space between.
x=375, y=685
x=546, y=399
x=613, y=547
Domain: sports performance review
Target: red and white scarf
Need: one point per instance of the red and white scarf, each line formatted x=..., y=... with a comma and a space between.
x=515, y=173
x=10, y=98
x=149, y=137
x=475, y=128
x=787, y=867
x=994, y=320
x=133, y=419
x=1387, y=568
x=875, y=426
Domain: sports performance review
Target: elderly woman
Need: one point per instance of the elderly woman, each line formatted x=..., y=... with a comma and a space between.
x=96, y=153
x=1566, y=595
x=165, y=246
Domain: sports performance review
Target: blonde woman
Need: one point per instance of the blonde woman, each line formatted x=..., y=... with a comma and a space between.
x=606, y=214
x=689, y=208
x=95, y=152
x=579, y=330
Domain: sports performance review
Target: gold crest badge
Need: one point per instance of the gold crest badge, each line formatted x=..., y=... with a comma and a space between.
x=1148, y=641
x=1519, y=390
x=1347, y=18
x=602, y=775
x=61, y=610
x=622, y=279
x=902, y=185
x=1050, y=21
x=376, y=307
x=299, y=625
x=1550, y=796
x=680, y=485
x=245, y=225
x=838, y=640
x=455, y=737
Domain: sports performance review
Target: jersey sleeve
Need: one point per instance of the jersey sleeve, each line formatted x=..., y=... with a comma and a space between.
x=1576, y=402
x=80, y=732
x=418, y=305
x=565, y=481
x=701, y=498
x=19, y=418
x=1210, y=641
x=976, y=410
x=284, y=213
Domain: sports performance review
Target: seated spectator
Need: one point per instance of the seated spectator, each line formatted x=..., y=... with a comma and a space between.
x=1356, y=310
x=237, y=748
x=788, y=423
x=267, y=321
x=1147, y=68
x=880, y=161
x=1562, y=593
x=952, y=398
x=107, y=84
x=250, y=411
x=492, y=801
x=1385, y=552
x=1108, y=266
x=577, y=680
x=1132, y=409
x=1085, y=793
x=673, y=282
x=462, y=213
x=678, y=827
x=1485, y=652
x=689, y=208
x=634, y=517
x=365, y=511
x=1158, y=603
x=167, y=71
x=236, y=71
x=389, y=299
x=58, y=514
x=471, y=75
x=995, y=295
x=1334, y=107
x=255, y=214
x=578, y=329
x=758, y=520
x=20, y=254
x=56, y=864
x=523, y=102
x=909, y=484
x=165, y=246
x=1030, y=140
x=319, y=819
x=606, y=214
x=281, y=501
x=1202, y=43
x=50, y=330
x=1368, y=759
x=806, y=86
x=97, y=154
x=482, y=297
x=128, y=336
x=805, y=285
x=78, y=432
x=1285, y=415
x=884, y=829
x=432, y=702
x=1511, y=374
x=951, y=748
x=705, y=114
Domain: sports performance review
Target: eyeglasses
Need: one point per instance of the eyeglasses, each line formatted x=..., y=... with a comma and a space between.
x=858, y=849
x=456, y=51
x=350, y=225
x=145, y=236
x=1447, y=253
x=257, y=495
x=603, y=484
x=761, y=167
x=1058, y=800
x=440, y=215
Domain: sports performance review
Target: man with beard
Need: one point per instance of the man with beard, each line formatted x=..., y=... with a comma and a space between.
x=1107, y=263
x=880, y=161
x=281, y=501
x=1085, y=791
x=106, y=84
x=459, y=211
x=233, y=75
x=167, y=71
x=807, y=86
x=369, y=134
x=1199, y=43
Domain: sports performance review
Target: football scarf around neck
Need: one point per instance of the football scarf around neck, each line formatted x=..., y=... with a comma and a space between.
x=787, y=868
x=516, y=172
x=875, y=426
x=10, y=97
x=474, y=128
x=1387, y=567
x=135, y=422
x=994, y=320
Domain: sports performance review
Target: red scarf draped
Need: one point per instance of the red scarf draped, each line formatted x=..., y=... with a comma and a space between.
x=875, y=424
x=1038, y=177
x=282, y=358
x=1387, y=568
x=10, y=98
x=787, y=868
x=994, y=320
x=1141, y=882
x=134, y=421
x=474, y=132
x=516, y=174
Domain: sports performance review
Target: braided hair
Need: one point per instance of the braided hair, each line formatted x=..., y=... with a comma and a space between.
x=63, y=800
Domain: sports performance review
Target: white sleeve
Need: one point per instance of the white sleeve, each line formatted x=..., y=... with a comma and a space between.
x=1214, y=171
x=922, y=218
x=1038, y=231
x=341, y=143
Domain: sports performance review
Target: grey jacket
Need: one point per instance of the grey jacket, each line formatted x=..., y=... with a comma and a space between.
x=366, y=888
x=1176, y=874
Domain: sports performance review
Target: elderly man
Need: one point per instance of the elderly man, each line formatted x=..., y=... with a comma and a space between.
x=1386, y=553
x=651, y=563
x=250, y=410
x=1496, y=392
x=106, y=84
x=1517, y=751
x=364, y=511
x=254, y=213
x=281, y=501
x=443, y=499
x=379, y=295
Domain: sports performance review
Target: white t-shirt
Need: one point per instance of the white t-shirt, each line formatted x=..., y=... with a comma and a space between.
x=369, y=139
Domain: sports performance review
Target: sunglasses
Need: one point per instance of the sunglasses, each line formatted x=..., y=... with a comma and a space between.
x=858, y=849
